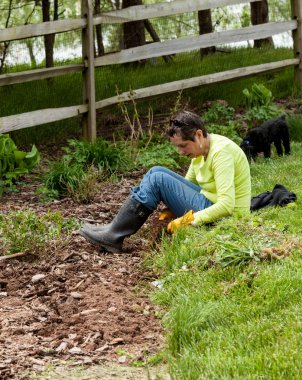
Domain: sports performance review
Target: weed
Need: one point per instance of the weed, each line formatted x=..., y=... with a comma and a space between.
x=25, y=231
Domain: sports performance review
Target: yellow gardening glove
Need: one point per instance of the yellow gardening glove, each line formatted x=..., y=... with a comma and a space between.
x=183, y=220
x=166, y=214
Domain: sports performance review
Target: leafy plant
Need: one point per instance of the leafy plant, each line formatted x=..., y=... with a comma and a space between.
x=164, y=154
x=258, y=96
x=229, y=130
x=63, y=176
x=13, y=162
x=218, y=113
x=102, y=154
x=25, y=231
x=259, y=101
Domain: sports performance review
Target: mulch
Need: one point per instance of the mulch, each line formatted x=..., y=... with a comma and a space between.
x=77, y=303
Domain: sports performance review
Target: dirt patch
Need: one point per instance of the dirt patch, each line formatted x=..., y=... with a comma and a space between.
x=79, y=303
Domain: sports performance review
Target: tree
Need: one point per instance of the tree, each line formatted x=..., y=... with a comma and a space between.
x=49, y=39
x=5, y=46
x=259, y=15
x=134, y=31
x=205, y=26
x=98, y=30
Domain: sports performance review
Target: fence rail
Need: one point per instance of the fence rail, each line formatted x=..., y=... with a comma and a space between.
x=134, y=13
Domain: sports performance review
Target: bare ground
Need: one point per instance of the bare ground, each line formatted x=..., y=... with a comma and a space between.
x=86, y=307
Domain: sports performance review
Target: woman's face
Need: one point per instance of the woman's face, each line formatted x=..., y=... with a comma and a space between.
x=189, y=148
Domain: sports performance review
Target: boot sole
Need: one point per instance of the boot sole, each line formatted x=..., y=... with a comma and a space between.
x=107, y=247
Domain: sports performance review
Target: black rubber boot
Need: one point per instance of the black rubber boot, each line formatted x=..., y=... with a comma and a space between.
x=95, y=227
x=128, y=220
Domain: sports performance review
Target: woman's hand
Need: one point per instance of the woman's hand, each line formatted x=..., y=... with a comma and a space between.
x=187, y=219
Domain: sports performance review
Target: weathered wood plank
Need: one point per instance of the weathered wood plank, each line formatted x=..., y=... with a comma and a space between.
x=35, y=30
x=296, y=9
x=179, y=45
x=31, y=119
x=223, y=76
x=37, y=74
x=144, y=12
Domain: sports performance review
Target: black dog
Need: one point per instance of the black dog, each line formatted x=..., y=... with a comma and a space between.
x=259, y=139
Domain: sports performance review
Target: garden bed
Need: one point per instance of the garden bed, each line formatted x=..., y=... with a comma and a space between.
x=77, y=303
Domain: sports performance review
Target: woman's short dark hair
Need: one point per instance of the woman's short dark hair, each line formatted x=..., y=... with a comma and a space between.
x=185, y=125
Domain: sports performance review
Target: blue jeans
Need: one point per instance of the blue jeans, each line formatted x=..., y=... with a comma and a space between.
x=177, y=193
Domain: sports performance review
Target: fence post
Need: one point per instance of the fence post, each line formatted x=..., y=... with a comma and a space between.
x=89, y=118
x=296, y=9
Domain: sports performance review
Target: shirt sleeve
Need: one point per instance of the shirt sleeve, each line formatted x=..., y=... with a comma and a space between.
x=224, y=174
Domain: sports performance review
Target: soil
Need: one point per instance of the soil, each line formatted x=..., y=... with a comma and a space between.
x=77, y=303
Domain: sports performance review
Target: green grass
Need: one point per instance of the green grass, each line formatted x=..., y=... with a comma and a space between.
x=67, y=90
x=237, y=321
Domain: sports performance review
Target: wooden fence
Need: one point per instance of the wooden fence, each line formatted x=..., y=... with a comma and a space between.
x=157, y=49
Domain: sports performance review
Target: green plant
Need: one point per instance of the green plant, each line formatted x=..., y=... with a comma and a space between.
x=61, y=179
x=13, y=162
x=25, y=231
x=164, y=154
x=230, y=130
x=259, y=101
x=106, y=156
x=218, y=113
x=258, y=96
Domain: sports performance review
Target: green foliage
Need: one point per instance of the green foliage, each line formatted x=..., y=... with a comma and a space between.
x=106, y=156
x=258, y=96
x=164, y=154
x=25, y=231
x=77, y=173
x=219, y=119
x=218, y=113
x=259, y=101
x=62, y=177
x=229, y=130
x=13, y=162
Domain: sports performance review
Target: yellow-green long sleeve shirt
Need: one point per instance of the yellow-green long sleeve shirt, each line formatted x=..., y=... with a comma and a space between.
x=224, y=178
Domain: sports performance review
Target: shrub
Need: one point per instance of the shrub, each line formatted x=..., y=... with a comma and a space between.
x=102, y=154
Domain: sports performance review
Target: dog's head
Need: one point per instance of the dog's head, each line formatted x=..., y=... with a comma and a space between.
x=254, y=142
x=248, y=149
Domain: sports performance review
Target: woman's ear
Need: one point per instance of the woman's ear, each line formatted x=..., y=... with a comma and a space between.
x=199, y=134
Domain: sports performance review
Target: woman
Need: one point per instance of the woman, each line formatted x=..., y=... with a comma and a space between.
x=216, y=185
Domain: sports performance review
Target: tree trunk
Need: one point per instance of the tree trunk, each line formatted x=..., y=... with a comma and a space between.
x=4, y=48
x=205, y=26
x=155, y=38
x=98, y=30
x=29, y=45
x=49, y=39
x=259, y=15
x=133, y=32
